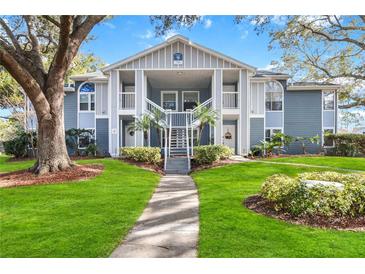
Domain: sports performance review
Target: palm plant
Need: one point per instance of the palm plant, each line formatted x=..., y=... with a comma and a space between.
x=142, y=123
x=205, y=116
x=157, y=122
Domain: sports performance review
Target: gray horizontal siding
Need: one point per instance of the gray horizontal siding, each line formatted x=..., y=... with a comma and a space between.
x=303, y=117
x=256, y=131
x=70, y=110
x=192, y=57
x=102, y=135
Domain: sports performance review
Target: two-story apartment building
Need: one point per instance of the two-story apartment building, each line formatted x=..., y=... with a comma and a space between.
x=177, y=78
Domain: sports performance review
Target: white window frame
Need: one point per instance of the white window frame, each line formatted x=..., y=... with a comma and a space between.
x=271, y=131
x=323, y=100
x=282, y=96
x=78, y=139
x=88, y=98
x=189, y=91
x=333, y=132
x=163, y=92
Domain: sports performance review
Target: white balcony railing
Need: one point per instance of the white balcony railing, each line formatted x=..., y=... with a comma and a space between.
x=230, y=99
x=126, y=100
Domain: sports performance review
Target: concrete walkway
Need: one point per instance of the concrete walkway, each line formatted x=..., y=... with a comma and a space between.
x=169, y=225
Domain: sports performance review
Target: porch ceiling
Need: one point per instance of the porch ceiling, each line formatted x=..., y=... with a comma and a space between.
x=180, y=79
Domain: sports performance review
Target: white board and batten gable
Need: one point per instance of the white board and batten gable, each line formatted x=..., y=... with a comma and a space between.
x=178, y=52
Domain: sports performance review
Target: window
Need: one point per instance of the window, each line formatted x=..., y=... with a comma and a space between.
x=274, y=96
x=87, y=97
x=86, y=139
x=327, y=142
x=328, y=100
x=190, y=99
x=169, y=100
x=270, y=132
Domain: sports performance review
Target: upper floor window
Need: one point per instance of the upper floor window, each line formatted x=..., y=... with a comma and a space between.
x=87, y=97
x=169, y=100
x=273, y=96
x=328, y=100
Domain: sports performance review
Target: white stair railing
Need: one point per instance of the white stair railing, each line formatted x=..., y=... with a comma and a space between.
x=207, y=104
x=174, y=119
x=187, y=138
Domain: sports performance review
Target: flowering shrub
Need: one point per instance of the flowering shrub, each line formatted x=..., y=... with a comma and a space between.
x=151, y=155
x=211, y=153
x=295, y=197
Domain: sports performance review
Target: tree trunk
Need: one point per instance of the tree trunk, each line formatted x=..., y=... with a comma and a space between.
x=52, y=152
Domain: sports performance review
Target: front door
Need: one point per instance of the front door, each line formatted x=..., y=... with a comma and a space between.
x=229, y=136
x=128, y=138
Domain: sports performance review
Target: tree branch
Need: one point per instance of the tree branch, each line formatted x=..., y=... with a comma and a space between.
x=333, y=39
x=52, y=20
x=22, y=76
x=11, y=35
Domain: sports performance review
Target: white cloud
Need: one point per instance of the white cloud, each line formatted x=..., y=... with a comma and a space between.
x=207, y=23
x=278, y=20
x=147, y=35
x=169, y=34
x=109, y=25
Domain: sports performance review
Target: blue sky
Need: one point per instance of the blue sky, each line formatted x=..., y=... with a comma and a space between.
x=123, y=36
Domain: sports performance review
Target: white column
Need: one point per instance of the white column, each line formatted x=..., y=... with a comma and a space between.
x=140, y=98
x=244, y=121
x=218, y=89
x=114, y=117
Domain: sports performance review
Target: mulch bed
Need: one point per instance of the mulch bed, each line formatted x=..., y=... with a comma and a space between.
x=265, y=207
x=155, y=168
x=26, y=178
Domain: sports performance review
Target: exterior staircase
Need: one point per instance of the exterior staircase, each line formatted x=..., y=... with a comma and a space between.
x=178, y=142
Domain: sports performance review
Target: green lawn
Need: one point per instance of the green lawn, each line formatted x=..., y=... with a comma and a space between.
x=227, y=229
x=6, y=166
x=339, y=162
x=83, y=219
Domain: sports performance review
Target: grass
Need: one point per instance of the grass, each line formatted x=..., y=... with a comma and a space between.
x=338, y=162
x=83, y=219
x=8, y=166
x=228, y=229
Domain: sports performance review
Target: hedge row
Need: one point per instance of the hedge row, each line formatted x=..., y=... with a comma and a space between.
x=348, y=144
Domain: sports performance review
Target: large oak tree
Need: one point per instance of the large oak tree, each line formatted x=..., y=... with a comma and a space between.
x=24, y=41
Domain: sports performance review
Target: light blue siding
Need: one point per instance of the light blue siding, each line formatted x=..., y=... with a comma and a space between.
x=86, y=120
x=274, y=119
x=70, y=110
x=329, y=118
x=303, y=117
x=257, y=131
x=102, y=135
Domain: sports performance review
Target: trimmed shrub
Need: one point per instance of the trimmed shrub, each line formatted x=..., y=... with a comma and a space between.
x=151, y=155
x=19, y=145
x=293, y=196
x=211, y=153
x=348, y=144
